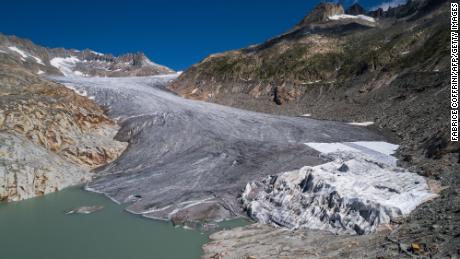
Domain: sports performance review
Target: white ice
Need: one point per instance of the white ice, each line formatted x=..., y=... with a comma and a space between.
x=364, y=123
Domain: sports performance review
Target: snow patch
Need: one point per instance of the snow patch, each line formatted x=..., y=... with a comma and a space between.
x=376, y=150
x=348, y=16
x=79, y=73
x=364, y=123
x=331, y=147
x=65, y=65
x=97, y=53
x=24, y=55
x=39, y=72
x=38, y=60
x=379, y=146
x=20, y=52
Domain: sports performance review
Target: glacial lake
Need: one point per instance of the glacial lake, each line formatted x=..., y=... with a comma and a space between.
x=39, y=228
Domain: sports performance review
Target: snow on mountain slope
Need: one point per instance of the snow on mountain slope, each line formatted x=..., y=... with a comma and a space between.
x=24, y=55
x=20, y=52
x=67, y=62
x=65, y=65
x=348, y=16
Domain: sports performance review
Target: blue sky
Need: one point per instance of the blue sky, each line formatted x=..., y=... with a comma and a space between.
x=176, y=33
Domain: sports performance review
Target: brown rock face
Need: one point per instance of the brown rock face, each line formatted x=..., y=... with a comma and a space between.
x=57, y=123
x=321, y=13
x=28, y=170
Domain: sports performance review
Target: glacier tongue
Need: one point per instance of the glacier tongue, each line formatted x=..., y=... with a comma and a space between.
x=353, y=194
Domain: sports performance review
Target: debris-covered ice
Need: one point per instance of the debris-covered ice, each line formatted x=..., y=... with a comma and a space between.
x=189, y=160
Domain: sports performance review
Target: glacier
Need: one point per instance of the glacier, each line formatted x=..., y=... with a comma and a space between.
x=190, y=160
x=359, y=191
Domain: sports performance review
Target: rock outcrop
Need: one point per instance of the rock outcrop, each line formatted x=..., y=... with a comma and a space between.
x=355, y=9
x=28, y=170
x=321, y=13
x=52, y=137
x=264, y=241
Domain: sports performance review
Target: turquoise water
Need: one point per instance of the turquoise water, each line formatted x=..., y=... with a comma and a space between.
x=38, y=228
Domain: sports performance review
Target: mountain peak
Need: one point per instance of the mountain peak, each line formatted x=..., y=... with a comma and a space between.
x=322, y=12
x=355, y=9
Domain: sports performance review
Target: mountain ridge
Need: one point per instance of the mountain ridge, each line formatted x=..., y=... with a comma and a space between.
x=333, y=72
x=60, y=61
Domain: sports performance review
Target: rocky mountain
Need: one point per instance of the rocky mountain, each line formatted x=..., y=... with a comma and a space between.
x=355, y=9
x=386, y=68
x=59, y=61
x=322, y=13
x=392, y=71
x=50, y=136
